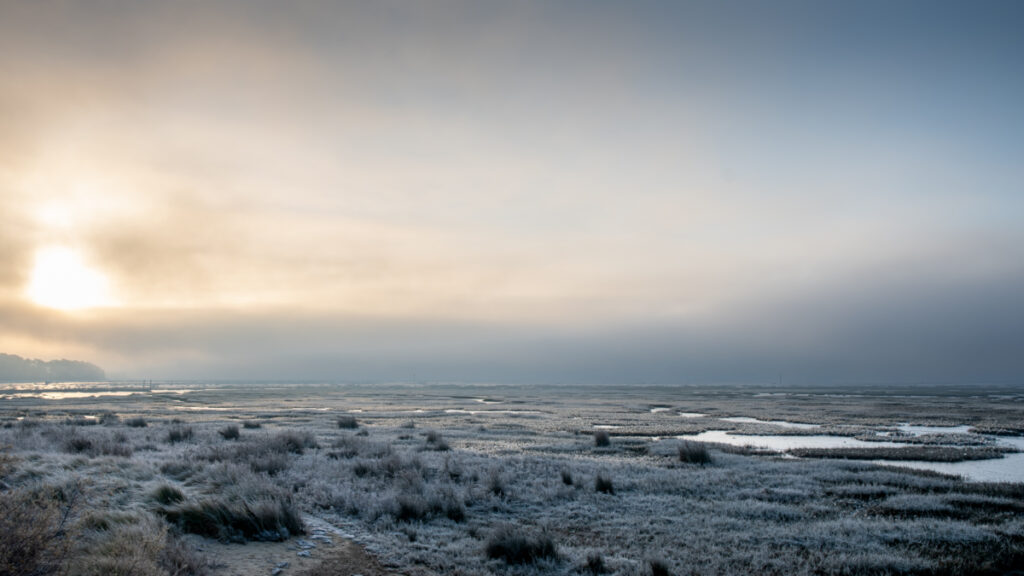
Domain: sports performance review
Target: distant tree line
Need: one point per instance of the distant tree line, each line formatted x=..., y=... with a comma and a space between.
x=17, y=369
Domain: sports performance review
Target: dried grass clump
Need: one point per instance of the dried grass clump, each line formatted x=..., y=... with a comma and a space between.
x=230, y=432
x=137, y=422
x=266, y=519
x=603, y=484
x=347, y=422
x=602, y=439
x=251, y=425
x=515, y=547
x=166, y=494
x=34, y=535
x=101, y=446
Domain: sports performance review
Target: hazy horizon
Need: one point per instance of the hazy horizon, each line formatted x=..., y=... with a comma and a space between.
x=653, y=192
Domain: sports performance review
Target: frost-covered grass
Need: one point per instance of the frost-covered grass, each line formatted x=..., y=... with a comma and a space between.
x=436, y=492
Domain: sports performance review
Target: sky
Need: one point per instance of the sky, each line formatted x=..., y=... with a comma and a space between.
x=817, y=192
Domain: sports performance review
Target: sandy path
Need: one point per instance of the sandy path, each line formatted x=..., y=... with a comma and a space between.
x=324, y=551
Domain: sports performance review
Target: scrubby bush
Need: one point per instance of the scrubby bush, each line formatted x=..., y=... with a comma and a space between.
x=101, y=446
x=436, y=442
x=566, y=477
x=515, y=547
x=694, y=453
x=602, y=439
x=137, y=422
x=109, y=419
x=179, y=433
x=603, y=484
x=495, y=483
x=77, y=444
x=595, y=564
x=410, y=507
x=270, y=463
x=251, y=425
x=658, y=567
x=292, y=441
x=229, y=432
x=347, y=422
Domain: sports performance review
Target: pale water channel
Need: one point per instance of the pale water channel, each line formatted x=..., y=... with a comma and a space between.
x=1010, y=468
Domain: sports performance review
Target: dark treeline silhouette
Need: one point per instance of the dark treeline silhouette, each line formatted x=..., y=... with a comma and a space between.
x=17, y=369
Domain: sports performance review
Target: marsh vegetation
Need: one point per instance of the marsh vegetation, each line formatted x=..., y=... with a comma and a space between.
x=531, y=487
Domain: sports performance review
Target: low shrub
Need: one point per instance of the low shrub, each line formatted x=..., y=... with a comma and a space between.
x=515, y=547
x=694, y=453
x=602, y=439
x=603, y=484
x=347, y=422
x=179, y=433
x=658, y=568
x=436, y=442
x=269, y=463
x=566, y=477
x=410, y=507
x=595, y=564
x=77, y=445
x=137, y=422
x=229, y=432
x=292, y=441
x=495, y=483
x=251, y=425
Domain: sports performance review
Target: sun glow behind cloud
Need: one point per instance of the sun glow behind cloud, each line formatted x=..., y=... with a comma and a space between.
x=62, y=279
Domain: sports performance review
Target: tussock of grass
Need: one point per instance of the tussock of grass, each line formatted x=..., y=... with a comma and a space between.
x=230, y=432
x=694, y=453
x=166, y=494
x=515, y=547
x=268, y=519
x=347, y=422
x=251, y=425
x=602, y=439
x=32, y=535
x=136, y=422
x=603, y=484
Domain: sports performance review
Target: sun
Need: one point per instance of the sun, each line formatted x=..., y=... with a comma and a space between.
x=62, y=279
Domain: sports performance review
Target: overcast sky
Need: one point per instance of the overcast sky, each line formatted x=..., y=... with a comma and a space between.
x=670, y=192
